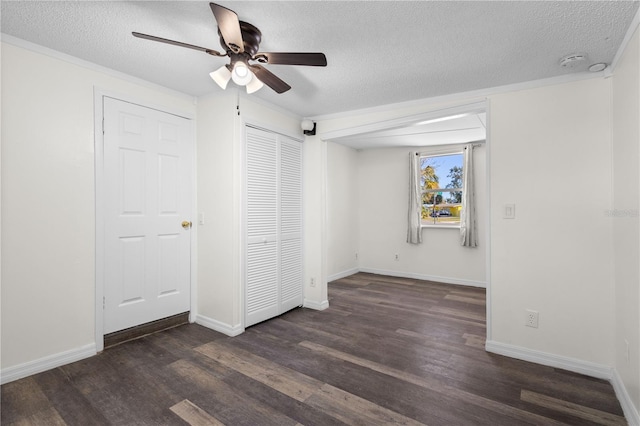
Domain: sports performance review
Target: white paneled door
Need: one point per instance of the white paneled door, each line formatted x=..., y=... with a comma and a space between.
x=148, y=181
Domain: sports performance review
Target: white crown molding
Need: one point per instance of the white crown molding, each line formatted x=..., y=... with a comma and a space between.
x=18, y=42
x=47, y=363
x=625, y=41
x=466, y=97
x=221, y=327
x=470, y=96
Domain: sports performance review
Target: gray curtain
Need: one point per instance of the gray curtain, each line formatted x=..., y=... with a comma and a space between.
x=414, y=232
x=468, y=227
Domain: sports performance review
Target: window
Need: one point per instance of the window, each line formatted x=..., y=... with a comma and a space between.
x=441, y=178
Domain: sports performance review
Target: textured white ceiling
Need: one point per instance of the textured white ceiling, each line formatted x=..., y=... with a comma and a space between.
x=378, y=52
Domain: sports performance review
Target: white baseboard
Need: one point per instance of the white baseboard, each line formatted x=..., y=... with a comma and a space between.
x=312, y=304
x=343, y=274
x=629, y=409
x=219, y=326
x=445, y=280
x=557, y=361
x=10, y=374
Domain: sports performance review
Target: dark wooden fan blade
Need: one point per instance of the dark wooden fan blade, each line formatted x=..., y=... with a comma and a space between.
x=178, y=43
x=310, y=59
x=229, y=27
x=270, y=79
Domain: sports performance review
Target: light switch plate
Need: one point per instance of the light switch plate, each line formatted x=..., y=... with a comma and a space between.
x=509, y=211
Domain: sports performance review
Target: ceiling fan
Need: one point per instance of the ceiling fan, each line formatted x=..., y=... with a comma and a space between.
x=240, y=41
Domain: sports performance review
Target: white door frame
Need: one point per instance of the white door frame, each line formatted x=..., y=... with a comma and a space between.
x=98, y=95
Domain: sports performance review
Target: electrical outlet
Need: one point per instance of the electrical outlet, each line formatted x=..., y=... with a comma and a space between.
x=531, y=319
x=313, y=282
x=397, y=257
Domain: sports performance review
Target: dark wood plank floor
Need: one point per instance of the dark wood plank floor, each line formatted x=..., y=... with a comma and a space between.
x=387, y=351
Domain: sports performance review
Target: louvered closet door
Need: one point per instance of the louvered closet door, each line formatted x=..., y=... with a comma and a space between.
x=273, y=271
x=290, y=224
x=262, y=289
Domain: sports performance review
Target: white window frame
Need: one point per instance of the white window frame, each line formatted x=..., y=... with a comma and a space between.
x=441, y=153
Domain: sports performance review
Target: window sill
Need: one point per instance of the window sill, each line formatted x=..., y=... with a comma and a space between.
x=440, y=227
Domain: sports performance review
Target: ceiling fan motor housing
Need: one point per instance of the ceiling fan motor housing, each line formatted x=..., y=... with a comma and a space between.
x=251, y=36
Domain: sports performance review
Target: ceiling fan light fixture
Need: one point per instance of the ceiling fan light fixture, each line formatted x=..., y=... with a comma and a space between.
x=241, y=75
x=254, y=85
x=241, y=41
x=221, y=76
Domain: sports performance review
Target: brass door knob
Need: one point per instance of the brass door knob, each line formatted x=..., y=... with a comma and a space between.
x=186, y=224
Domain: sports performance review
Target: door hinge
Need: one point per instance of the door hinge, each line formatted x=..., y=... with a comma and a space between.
x=103, y=125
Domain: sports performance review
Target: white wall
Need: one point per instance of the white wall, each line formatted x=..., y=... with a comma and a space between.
x=342, y=211
x=383, y=178
x=314, y=194
x=625, y=217
x=220, y=177
x=551, y=156
x=218, y=251
x=48, y=200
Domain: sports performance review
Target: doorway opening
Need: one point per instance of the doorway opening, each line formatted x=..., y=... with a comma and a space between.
x=367, y=174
